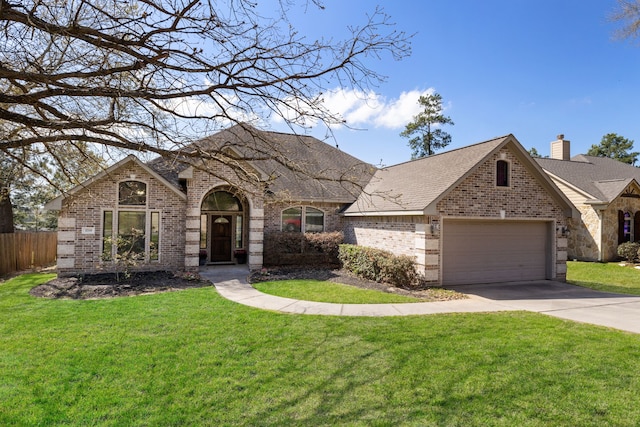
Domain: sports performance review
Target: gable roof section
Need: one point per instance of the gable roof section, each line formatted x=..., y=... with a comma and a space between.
x=56, y=204
x=415, y=187
x=299, y=167
x=601, y=179
x=613, y=188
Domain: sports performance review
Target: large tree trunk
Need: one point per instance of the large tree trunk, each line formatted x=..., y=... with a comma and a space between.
x=6, y=211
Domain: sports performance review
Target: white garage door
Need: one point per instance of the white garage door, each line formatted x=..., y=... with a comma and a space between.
x=494, y=251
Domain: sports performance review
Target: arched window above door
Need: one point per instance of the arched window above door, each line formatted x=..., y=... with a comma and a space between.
x=221, y=201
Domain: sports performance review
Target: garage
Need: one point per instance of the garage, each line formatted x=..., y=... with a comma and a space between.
x=491, y=251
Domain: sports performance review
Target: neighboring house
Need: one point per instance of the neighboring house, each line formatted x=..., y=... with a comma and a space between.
x=607, y=194
x=484, y=213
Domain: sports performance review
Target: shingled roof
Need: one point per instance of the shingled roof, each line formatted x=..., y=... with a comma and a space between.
x=299, y=166
x=600, y=178
x=415, y=187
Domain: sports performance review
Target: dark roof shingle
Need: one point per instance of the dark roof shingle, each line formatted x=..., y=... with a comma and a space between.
x=602, y=178
x=300, y=166
x=414, y=185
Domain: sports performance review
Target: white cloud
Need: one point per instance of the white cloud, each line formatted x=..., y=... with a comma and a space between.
x=358, y=109
x=371, y=109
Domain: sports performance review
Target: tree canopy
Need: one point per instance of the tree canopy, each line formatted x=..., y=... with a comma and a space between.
x=533, y=152
x=424, y=133
x=627, y=14
x=616, y=147
x=154, y=76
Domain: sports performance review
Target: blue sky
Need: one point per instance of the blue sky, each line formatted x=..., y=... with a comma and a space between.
x=531, y=68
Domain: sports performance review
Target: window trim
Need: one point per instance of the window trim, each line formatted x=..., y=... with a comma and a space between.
x=622, y=219
x=303, y=219
x=111, y=257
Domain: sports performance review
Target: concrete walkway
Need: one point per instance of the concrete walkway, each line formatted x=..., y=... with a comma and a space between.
x=546, y=297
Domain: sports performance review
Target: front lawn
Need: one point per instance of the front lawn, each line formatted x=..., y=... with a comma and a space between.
x=607, y=277
x=194, y=358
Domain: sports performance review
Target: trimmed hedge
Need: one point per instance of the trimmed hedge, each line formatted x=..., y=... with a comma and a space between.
x=629, y=250
x=287, y=248
x=380, y=266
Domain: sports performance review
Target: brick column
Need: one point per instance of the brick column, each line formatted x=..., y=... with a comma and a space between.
x=561, y=259
x=192, y=240
x=66, y=246
x=256, y=234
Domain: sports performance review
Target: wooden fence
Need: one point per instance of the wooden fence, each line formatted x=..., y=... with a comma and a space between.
x=25, y=250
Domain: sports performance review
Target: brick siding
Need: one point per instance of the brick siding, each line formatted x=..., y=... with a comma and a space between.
x=198, y=187
x=476, y=196
x=82, y=253
x=273, y=214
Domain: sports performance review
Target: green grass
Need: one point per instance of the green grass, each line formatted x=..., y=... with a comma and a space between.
x=608, y=277
x=194, y=358
x=322, y=291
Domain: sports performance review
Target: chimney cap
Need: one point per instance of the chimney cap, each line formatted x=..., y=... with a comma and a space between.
x=561, y=136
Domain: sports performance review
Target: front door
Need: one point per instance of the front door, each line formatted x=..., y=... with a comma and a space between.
x=221, y=238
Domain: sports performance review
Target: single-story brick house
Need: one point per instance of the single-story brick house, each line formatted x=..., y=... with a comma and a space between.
x=482, y=213
x=607, y=194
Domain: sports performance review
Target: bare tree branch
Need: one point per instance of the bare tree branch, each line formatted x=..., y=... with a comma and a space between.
x=156, y=76
x=627, y=13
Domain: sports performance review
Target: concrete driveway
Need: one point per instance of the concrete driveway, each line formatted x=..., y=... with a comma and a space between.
x=562, y=300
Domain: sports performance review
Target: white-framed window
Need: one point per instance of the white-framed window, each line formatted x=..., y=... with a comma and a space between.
x=302, y=218
x=131, y=230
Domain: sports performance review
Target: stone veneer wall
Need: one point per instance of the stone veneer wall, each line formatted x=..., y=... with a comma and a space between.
x=583, y=234
x=610, y=224
x=478, y=196
x=273, y=214
x=80, y=253
x=197, y=188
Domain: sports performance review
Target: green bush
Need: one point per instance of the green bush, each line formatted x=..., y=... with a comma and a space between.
x=378, y=265
x=286, y=248
x=628, y=250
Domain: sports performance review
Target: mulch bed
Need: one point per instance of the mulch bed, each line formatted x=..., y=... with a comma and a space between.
x=97, y=286
x=93, y=286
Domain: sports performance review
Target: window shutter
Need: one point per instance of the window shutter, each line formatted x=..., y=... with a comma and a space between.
x=620, y=227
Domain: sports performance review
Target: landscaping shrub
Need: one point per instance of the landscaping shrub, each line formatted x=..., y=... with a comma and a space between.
x=324, y=243
x=286, y=248
x=628, y=250
x=379, y=265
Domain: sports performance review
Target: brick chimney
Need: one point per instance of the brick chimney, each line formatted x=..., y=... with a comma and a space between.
x=560, y=148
